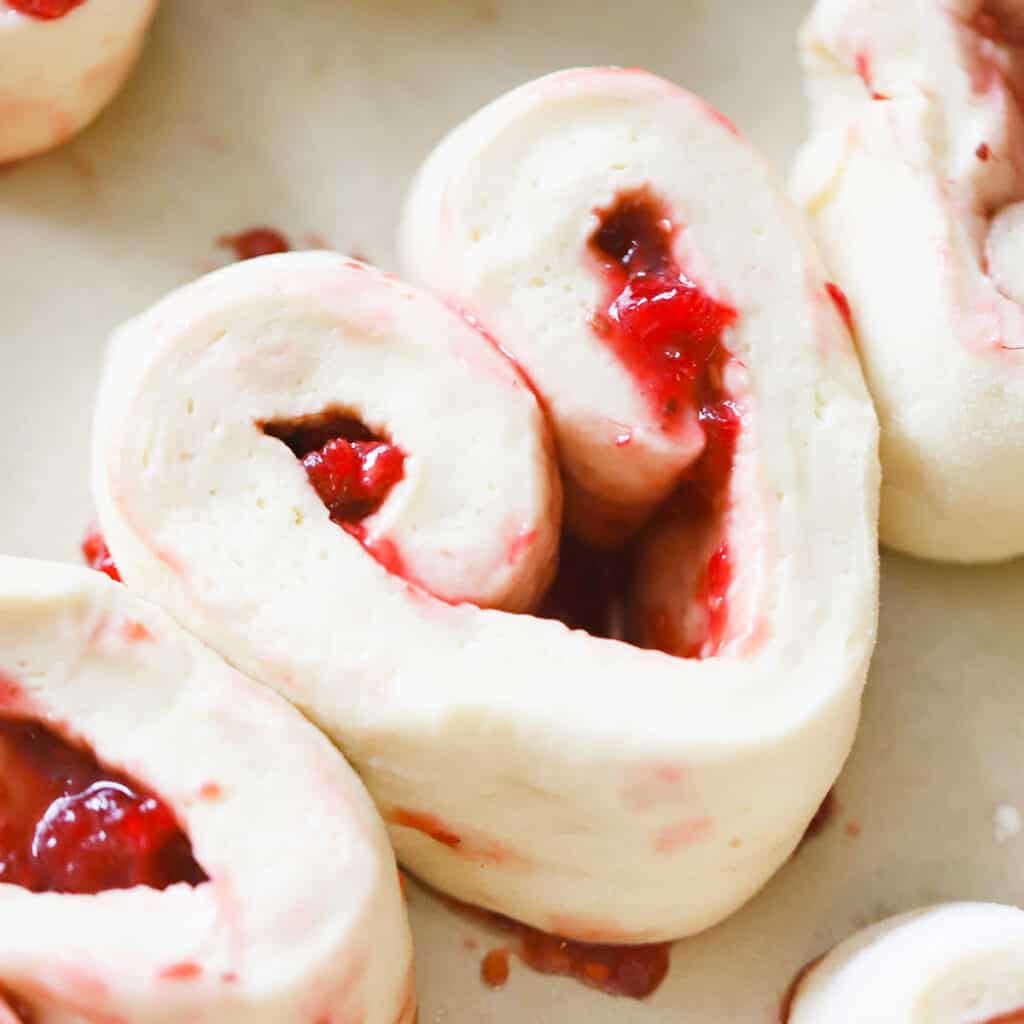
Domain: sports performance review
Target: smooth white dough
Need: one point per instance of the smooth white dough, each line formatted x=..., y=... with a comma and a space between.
x=582, y=785
x=302, y=918
x=960, y=963
x=902, y=190
x=57, y=75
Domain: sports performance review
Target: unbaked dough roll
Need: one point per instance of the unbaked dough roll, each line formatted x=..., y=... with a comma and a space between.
x=914, y=177
x=585, y=785
x=61, y=63
x=157, y=864
x=962, y=963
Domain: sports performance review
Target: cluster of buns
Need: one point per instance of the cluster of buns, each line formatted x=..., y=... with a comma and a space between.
x=601, y=790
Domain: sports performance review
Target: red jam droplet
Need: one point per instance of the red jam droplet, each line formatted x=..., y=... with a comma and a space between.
x=69, y=825
x=494, y=970
x=45, y=10
x=1013, y=1017
x=248, y=245
x=97, y=554
x=712, y=591
x=662, y=327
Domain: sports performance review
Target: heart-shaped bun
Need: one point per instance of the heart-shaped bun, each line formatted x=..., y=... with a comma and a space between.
x=348, y=488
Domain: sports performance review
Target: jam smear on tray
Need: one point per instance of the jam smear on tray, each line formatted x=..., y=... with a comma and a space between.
x=248, y=245
x=70, y=825
x=631, y=972
x=494, y=968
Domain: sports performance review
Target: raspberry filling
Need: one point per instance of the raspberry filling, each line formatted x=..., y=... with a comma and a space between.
x=351, y=470
x=70, y=825
x=354, y=477
x=661, y=326
x=44, y=10
x=248, y=245
x=669, y=334
x=97, y=555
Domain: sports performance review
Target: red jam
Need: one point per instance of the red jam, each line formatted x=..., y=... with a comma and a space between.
x=662, y=327
x=427, y=824
x=842, y=303
x=670, y=335
x=494, y=970
x=247, y=245
x=97, y=554
x=69, y=825
x=45, y=10
x=863, y=64
x=354, y=477
x=351, y=471
x=632, y=972
x=1013, y=1017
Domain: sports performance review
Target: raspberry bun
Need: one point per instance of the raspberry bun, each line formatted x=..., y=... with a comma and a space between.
x=350, y=487
x=61, y=63
x=176, y=842
x=914, y=178
x=962, y=963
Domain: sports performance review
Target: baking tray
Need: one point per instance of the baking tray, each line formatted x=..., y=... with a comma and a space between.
x=311, y=117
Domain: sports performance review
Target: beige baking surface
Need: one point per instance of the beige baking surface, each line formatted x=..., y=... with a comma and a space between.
x=311, y=116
